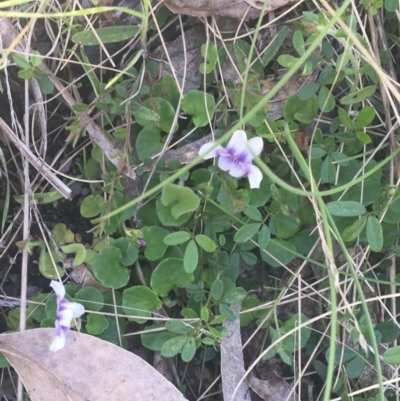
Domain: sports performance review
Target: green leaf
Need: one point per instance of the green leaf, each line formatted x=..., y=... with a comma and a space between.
x=155, y=340
x=109, y=34
x=62, y=234
x=302, y=111
x=174, y=346
x=346, y=208
x=96, y=324
x=275, y=45
x=286, y=60
x=3, y=362
x=46, y=266
x=298, y=42
x=129, y=250
x=363, y=137
x=205, y=313
x=155, y=246
x=365, y=116
x=374, y=234
x=345, y=119
x=164, y=110
x=78, y=249
x=21, y=61
x=246, y=232
x=252, y=212
x=166, y=218
x=286, y=226
x=359, y=96
x=224, y=309
x=389, y=330
x=90, y=206
x=263, y=237
x=308, y=90
x=170, y=274
x=182, y=200
x=278, y=250
x=205, y=242
x=191, y=257
x=25, y=74
x=391, y=5
x=210, y=53
x=148, y=142
x=392, y=355
x=91, y=298
x=328, y=170
x=140, y=301
x=36, y=58
x=178, y=327
x=188, y=350
x=353, y=231
x=177, y=238
x=326, y=101
x=200, y=105
x=45, y=84
x=217, y=289
x=107, y=268
x=234, y=296
x=316, y=153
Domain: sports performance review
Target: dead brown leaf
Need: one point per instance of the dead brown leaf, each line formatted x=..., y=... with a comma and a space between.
x=87, y=368
x=240, y=9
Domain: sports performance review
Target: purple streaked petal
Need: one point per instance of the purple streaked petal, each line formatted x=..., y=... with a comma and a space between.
x=77, y=309
x=256, y=146
x=255, y=176
x=235, y=168
x=211, y=153
x=60, y=339
x=237, y=143
x=64, y=317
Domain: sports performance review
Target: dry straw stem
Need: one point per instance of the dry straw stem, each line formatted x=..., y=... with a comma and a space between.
x=36, y=162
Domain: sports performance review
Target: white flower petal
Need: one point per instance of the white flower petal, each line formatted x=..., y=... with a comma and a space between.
x=255, y=145
x=59, y=341
x=255, y=176
x=238, y=142
x=213, y=153
x=77, y=309
x=58, y=289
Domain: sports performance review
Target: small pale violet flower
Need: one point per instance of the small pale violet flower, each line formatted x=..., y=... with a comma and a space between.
x=141, y=242
x=66, y=311
x=237, y=157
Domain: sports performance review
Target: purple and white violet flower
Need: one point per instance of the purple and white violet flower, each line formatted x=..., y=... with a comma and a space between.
x=237, y=157
x=66, y=311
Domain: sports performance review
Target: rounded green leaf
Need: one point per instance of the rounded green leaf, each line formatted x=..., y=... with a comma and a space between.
x=182, y=200
x=129, y=250
x=78, y=249
x=355, y=367
x=90, y=206
x=346, y=208
x=177, y=238
x=200, y=105
x=365, y=117
x=62, y=234
x=278, y=251
x=374, y=234
x=170, y=274
x=165, y=111
x=140, y=301
x=148, y=142
x=96, y=324
x=392, y=355
x=234, y=296
x=155, y=246
x=205, y=242
x=246, y=232
x=107, y=268
x=173, y=346
x=210, y=53
x=154, y=340
x=191, y=257
x=188, y=350
x=91, y=298
x=308, y=90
